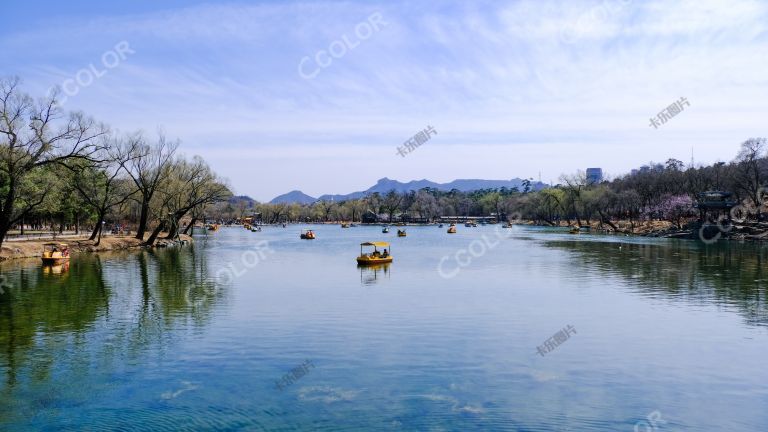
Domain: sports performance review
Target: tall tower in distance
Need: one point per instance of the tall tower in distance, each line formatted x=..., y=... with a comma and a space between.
x=693, y=165
x=594, y=175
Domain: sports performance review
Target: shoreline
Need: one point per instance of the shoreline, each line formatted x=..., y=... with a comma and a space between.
x=748, y=231
x=28, y=249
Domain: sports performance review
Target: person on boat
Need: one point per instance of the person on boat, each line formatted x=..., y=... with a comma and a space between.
x=375, y=254
x=385, y=254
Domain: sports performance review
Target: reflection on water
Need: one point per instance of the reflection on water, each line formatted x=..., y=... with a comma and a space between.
x=372, y=274
x=57, y=269
x=68, y=324
x=195, y=337
x=730, y=274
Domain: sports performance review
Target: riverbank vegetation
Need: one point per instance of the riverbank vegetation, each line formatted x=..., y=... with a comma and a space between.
x=668, y=192
x=655, y=197
x=68, y=171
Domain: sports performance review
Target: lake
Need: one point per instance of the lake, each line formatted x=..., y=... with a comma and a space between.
x=522, y=329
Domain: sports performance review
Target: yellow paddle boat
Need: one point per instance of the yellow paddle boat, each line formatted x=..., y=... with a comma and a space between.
x=401, y=233
x=307, y=235
x=574, y=231
x=213, y=227
x=452, y=229
x=345, y=225
x=374, y=257
x=55, y=254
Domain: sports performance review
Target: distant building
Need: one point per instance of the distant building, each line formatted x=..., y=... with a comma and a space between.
x=650, y=168
x=715, y=202
x=594, y=175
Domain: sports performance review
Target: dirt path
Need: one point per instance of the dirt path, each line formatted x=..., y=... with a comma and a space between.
x=34, y=248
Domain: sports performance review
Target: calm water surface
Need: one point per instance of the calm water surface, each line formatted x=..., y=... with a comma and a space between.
x=196, y=337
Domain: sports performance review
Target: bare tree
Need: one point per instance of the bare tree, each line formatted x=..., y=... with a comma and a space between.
x=426, y=205
x=149, y=168
x=573, y=187
x=750, y=167
x=357, y=207
x=35, y=135
x=188, y=186
x=195, y=186
x=326, y=208
x=391, y=203
x=100, y=185
x=373, y=202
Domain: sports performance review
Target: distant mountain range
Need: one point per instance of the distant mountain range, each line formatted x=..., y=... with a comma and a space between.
x=295, y=196
x=248, y=201
x=385, y=185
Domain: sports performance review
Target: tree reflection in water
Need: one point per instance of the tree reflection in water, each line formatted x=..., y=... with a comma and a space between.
x=58, y=329
x=727, y=273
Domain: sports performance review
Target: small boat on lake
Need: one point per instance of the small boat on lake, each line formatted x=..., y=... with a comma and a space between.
x=345, y=225
x=213, y=227
x=55, y=254
x=401, y=233
x=440, y=226
x=574, y=230
x=374, y=257
x=385, y=230
x=452, y=229
x=307, y=235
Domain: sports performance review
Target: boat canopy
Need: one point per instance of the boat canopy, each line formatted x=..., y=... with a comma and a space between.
x=375, y=244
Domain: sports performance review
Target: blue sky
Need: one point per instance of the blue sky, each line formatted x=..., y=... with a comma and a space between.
x=512, y=88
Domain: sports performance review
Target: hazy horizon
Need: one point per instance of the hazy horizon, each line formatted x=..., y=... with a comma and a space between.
x=512, y=88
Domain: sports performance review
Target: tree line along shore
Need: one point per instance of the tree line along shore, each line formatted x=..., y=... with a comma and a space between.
x=659, y=199
x=66, y=171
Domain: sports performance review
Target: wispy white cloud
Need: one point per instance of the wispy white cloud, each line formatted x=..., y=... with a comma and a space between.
x=510, y=86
